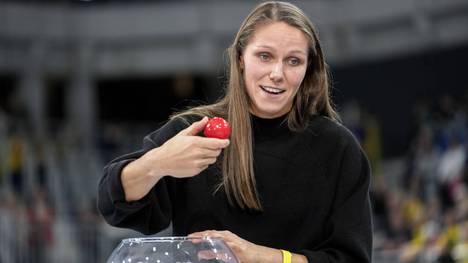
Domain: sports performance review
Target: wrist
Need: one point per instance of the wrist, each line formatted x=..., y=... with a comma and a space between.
x=266, y=254
x=152, y=164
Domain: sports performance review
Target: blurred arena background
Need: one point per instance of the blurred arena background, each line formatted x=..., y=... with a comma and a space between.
x=81, y=82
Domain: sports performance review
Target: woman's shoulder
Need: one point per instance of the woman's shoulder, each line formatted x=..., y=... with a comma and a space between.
x=184, y=120
x=177, y=123
x=330, y=130
x=170, y=128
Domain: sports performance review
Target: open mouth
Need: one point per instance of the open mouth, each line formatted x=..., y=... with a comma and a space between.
x=272, y=90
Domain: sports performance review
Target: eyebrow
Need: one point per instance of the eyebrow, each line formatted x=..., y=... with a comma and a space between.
x=293, y=51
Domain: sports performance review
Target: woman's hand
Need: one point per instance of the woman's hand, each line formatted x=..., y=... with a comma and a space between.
x=187, y=154
x=244, y=250
x=184, y=155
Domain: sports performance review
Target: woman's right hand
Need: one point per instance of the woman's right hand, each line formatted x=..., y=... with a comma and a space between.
x=184, y=155
x=187, y=154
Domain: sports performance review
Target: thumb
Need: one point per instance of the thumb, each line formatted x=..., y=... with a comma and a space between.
x=195, y=128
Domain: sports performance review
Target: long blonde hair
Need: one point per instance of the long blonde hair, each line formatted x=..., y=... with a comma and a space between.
x=312, y=98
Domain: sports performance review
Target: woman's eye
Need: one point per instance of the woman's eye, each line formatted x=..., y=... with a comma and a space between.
x=264, y=57
x=294, y=61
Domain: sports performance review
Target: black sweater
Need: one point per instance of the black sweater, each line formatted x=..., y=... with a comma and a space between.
x=313, y=187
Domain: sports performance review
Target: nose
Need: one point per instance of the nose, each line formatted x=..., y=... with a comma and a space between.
x=276, y=73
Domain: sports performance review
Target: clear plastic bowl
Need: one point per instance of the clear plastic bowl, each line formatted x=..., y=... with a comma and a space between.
x=172, y=250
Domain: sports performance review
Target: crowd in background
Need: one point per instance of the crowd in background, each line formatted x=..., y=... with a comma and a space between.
x=47, y=197
x=421, y=205
x=48, y=188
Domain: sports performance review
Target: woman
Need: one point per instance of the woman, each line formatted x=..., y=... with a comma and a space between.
x=291, y=178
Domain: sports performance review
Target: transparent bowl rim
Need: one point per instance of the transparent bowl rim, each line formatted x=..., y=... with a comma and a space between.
x=167, y=239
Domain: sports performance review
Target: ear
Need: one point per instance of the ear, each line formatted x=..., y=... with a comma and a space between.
x=241, y=62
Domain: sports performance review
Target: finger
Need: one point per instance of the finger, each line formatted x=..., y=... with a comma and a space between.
x=197, y=234
x=213, y=234
x=202, y=233
x=197, y=237
x=206, y=162
x=210, y=255
x=226, y=235
x=209, y=154
x=206, y=255
x=213, y=143
x=195, y=128
x=206, y=153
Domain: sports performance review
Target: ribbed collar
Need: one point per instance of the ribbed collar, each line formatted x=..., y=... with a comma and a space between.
x=270, y=128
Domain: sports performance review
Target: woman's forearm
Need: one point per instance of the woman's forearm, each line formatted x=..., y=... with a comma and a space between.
x=139, y=176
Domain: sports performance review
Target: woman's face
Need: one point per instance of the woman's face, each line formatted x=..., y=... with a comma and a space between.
x=274, y=64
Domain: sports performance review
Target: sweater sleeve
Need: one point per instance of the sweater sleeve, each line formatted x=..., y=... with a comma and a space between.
x=153, y=212
x=349, y=228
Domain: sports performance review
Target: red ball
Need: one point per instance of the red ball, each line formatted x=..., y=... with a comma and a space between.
x=217, y=128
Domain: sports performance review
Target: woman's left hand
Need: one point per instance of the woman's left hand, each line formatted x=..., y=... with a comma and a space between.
x=245, y=251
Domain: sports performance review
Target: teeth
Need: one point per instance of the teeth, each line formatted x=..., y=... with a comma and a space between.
x=272, y=89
